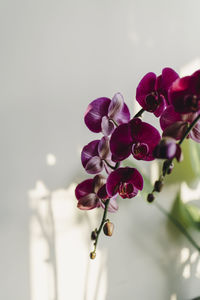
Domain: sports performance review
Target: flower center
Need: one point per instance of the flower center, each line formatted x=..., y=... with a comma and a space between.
x=192, y=102
x=140, y=150
x=126, y=190
x=153, y=100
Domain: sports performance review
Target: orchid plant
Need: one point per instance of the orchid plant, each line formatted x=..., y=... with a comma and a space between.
x=176, y=102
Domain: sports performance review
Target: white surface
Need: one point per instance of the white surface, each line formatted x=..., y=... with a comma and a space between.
x=56, y=56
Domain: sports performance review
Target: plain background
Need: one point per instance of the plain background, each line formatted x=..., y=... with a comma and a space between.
x=56, y=57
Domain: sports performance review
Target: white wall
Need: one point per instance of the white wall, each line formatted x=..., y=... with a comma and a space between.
x=55, y=57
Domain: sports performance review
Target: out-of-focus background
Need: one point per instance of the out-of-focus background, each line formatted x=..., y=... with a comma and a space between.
x=56, y=57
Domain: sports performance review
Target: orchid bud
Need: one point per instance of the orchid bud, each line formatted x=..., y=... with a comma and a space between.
x=108, y=228
x=167, y=149
x=94, y=235
x=92, y=255
x=150, y=198
x=158, y=185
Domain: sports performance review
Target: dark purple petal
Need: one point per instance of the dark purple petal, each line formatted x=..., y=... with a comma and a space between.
x=84, y=188
x=195, y=132
x=144, y=133
x=176, y=130
x=145, y=87
x=94, y=165
x=169, y=117
x=123, y=175
x=104, y=147
x=88, y=202
x=167, y=149
x=107, y=126
x=121, y=142
x=116, y=105
x=89, y=151
x=184, y=93
x=167, y=78
x=161, y=107
x=94, y=113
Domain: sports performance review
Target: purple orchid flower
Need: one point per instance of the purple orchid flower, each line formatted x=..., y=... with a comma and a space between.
x=92, y=193
x=175, y=124
x=125, y=181
x=94, y=155
x=184, y=94
x=136, y=137
x=168, y=149
x=152, y=91
x=103, y=114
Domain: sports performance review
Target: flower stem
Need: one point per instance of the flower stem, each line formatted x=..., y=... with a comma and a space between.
x=139, y=113
x=179, y=226
x=112, y=167
x=102, y=223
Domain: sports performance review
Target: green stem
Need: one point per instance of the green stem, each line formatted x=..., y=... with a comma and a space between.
x=112, y=167
x=178, y=225
x=102, y=223
x=139, y=113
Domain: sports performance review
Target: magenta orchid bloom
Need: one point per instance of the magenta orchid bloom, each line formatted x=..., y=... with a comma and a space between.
x=184, y=94
x=175, y=124
x=103, y=113
x=137, y=138
x=152, y=91
x=94, y=154
x=92, y=193
x=124, y=181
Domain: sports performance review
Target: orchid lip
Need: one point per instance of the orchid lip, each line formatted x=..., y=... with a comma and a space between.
x=140, y=150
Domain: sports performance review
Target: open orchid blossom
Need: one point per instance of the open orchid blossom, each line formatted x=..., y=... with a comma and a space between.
x=184, y=94
x=103, y=114
x=137, y=138
x=94, y=155
x=91, y=193
x=176, y=101
x=152, y=91
x=175, y=124
x=124, y=181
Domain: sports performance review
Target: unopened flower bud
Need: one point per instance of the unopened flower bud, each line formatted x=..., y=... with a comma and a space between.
x=168, y=149
x=108, y=228
x=158, y=185
x=94, y=235
x=170, y=168
x=150, y=198
x=93, y=255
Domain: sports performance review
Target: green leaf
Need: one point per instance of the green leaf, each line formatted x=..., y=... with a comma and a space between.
x=188, y=215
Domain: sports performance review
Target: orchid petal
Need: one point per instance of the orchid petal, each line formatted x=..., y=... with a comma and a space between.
x=95, y=112
x=161, y=107
x=195, y=132
x=144, y=133
x=107, y=126
x=121, y=142
x=84, y=188
x=88, y=202
x=94, y=165
x=116, y=105
x=145, y=87
x=89, y=151
x=169, y=117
